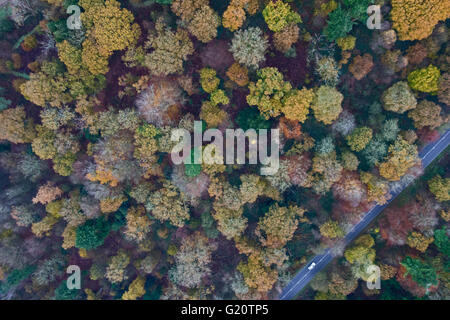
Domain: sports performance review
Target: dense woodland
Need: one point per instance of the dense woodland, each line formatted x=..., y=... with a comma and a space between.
x=86, y=176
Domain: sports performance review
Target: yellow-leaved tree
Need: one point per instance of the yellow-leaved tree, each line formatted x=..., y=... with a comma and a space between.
x=402, y=156
x=415, y=19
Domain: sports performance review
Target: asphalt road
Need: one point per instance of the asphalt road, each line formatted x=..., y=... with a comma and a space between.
x=304, y=276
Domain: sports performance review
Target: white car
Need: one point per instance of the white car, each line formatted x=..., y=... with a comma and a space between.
x=311, y=266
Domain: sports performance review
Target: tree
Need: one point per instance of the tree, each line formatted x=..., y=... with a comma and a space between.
x=359, y=138
x=92, y=59
x=252, y=187
x=64, y=293
x=418, y=241
x=444, y=88
x=238, y=74
x=69, y=237
x=110, y=26
x=55, y=118
x=445, y=215
x=251, y=118
x=284, y=39
x=201, y=20
x=192, y=261
x=440, y=188
x=115, y=272
x=24, y=215
x=423, y=274
x=279, y=14
x=341, y=285
x=399, y=98
x=231, y=223
x=47, y=193
x=361, y=66
x=29, y=43
x=390, y=130
x=349, y=188
x=51, y=85
x=256, y=274
x=268, y=92
x=111, y=204
x=326, y=170
x=170, y=50
x=402, y=156
x=425, y=79
x=362, y=251
x=426, y=114
x=59, y=146
x=297, y=103
x=103, y=175
x=135, y=290
x=415, y=20
x=43, y=227
x=345, y=124
x=167, y=204
x=278, y=225
x=442, y=241
x=92, y=234
x=291, y=129
x=396, y=225
x=377, y=189
x=234, y=16
x=331, y=230
x=146, y=145
x=46, y=86
x=70, y=55
x=204, y=24
x=48, y=271
x=186, y=9
x=212, y=114
x=349, y=161
x=16, y=128
x=375, y=151
x=327, y=104
x=340, y=23
x=219, y=97
x=209, y=80
x=325, y=146
x=6, y=25
x=416, y=54
x=346, y=43
x=138, y=224
x=155, y=103
x=249, y=46
x=328, y=71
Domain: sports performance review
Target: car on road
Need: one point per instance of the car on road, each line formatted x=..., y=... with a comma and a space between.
x=311, y=266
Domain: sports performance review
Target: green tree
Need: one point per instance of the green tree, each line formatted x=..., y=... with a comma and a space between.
x=92, y=234
x=442, y=241
x=344, y=17
x=340, y=23
x=423, y=274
